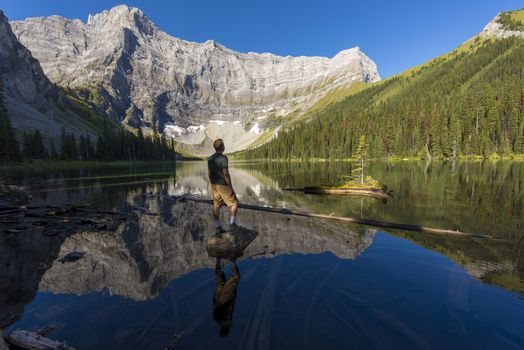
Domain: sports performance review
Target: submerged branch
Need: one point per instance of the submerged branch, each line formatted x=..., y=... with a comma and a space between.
x=375, y=223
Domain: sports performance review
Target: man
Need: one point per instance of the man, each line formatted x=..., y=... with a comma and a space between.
x=221, y=186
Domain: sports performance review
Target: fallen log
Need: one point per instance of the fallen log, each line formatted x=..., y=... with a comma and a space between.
x=374, y=223
x=33, y=341
x=364, y=192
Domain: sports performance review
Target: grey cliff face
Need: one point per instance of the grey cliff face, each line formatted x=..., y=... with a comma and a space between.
x=497, y=30
x=135, y=72
x=33, y=101
x=21, y=74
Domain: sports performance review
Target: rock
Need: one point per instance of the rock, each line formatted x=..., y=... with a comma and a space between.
x=22, y=76
x=33, y=101
x=230, y=244
x=497, y=30
x=72, y=257
x=126, y=66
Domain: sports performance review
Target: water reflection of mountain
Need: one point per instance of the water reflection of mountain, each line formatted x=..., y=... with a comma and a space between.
x=143, y=256
x=24, y=259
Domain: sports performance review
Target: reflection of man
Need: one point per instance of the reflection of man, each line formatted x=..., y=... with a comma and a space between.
x=221, y=185
x=224, y=297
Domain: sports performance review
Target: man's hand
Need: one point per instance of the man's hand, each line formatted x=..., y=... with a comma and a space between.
x=227, y=176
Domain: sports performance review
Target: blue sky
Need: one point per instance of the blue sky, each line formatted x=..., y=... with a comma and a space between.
x=395, y=34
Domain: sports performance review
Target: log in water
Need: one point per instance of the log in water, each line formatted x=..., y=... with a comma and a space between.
x=375, y=223
x=362, y=192
x=34, y=341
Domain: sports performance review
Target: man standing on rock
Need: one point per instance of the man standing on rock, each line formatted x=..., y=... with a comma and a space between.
x=221, y=186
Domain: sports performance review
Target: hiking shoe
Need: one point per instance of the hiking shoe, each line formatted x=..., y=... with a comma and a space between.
x=233, y=226
x=219, y=230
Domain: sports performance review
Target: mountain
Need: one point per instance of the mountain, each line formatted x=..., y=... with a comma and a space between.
x=469, y=102
x=135, y=73
x=33, y=101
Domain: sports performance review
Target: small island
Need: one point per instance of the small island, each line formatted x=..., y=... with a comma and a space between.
x=356, y=183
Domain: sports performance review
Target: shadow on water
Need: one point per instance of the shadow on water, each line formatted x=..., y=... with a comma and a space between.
x=152, y=284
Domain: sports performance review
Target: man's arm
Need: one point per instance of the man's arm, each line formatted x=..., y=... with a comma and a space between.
x=228, y=179
x=227, y=176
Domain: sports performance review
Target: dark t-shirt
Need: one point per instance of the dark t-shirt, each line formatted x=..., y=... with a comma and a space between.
x=216, y=164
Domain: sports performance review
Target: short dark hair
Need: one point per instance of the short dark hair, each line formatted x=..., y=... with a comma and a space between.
x=219, y=145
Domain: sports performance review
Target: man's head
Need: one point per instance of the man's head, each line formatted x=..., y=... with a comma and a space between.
x=219, y=145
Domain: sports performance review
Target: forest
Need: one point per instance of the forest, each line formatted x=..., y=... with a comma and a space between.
x=466, y=103
x=109, y=145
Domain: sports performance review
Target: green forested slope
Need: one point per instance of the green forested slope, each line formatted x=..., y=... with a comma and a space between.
x=469, y=102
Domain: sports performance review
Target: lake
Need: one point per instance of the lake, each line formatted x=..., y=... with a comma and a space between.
x=302, y=282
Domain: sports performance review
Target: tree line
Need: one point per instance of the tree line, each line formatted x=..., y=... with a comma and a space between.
x=470, y=103
x=108, y=145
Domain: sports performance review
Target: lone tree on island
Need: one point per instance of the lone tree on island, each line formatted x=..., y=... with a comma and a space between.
x=361, y=154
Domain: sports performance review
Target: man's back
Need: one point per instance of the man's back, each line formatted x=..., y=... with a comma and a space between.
x=216, y=164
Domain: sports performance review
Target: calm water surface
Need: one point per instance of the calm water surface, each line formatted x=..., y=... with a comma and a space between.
x=304, y=283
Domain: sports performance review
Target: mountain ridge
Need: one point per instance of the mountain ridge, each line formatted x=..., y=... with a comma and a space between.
x=464, y=103
x=134, y=72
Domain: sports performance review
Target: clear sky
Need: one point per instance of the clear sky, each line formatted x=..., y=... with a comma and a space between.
x=395, y=34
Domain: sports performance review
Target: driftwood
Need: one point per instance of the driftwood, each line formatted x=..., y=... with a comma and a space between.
x=230, y=244
x=374, y=223
x=33, y=341
x=379, y=193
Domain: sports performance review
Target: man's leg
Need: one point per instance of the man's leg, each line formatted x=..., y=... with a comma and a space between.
x=216, y=214
x=217, y=203
x=234, y=209
x=230, y=199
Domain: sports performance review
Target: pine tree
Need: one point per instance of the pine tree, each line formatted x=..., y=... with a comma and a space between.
x=361, y=154
x=38, y=149
x=9, y=148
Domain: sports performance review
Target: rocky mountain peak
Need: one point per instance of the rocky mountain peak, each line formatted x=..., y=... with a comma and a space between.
x=122, y=16
x=21, y=74
x=505, y=25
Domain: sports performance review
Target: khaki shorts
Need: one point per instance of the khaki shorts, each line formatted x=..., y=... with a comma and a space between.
x=222, y=196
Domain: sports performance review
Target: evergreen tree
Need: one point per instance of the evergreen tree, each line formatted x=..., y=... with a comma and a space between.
x=39, y=151
x=361, y=154
x=9, y=148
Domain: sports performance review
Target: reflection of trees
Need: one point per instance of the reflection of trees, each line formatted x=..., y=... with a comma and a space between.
x=499, y=263
x=481, y=197
x=472, y=196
